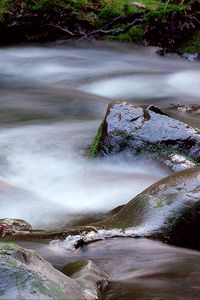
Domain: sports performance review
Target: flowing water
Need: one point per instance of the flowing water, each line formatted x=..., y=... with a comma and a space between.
x=139, y=268
x=53, y=99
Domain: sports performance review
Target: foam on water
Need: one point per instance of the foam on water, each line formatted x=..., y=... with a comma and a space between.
x=46, y=166
x=185, y=84
x=49, y=162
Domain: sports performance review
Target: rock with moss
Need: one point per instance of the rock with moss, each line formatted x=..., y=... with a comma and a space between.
x=191, y=49
x=25, y=275
x=169, y=210
x=131, y=130
x=90, y=277
x=193, y=109
x=16, y=224
x=94, y=147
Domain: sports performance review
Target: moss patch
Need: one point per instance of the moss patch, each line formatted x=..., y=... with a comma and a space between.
x=72, y=268
x=193, y=45
x=4, y=7
x=93, y=150
x=160, y=202
x=50, y=289
x=10, y=246
x=134, y=35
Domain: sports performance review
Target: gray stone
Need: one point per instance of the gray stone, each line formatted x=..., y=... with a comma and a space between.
x=169, y=210
x=17, y=224
x=90, y=277
x=25, y=275
x=131, y=130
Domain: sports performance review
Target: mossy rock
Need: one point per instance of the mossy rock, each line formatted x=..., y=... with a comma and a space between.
x=74, y=267
x=169, y=210
x=94, y=147
x=131, y=130
x=192, y=45
x=25, y=275
x=88, y=275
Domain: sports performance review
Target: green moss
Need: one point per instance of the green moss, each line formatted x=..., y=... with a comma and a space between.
x=43, y=5
x=38, y=286
x=56, y=291
x=160, y=202
x=134, y=35
x=172, y=221
x=10, y=246
x=72, y=268
x=10, y=263
x=4, y=7
x=111, y=9
x=51, y=289
x=163, y=12
x=193, y=45
x=93, y=150
x=73, y=6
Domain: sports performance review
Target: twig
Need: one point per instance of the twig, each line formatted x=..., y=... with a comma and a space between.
x=63, y=29
x=115, y=31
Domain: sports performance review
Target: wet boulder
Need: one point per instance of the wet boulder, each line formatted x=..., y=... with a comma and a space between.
x=169, y=211
x=90, y=277
x=129, y=130
x=16, y=224
x=188, y=113
x=25, y=275
x=186, y=108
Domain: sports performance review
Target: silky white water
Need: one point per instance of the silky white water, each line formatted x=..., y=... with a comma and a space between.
x=52, y=102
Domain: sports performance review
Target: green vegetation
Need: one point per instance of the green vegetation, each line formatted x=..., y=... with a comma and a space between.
x=72, y=268
x=9, y=246
x=11, y=263
x=4, y=6
x=160, y=201
x=93, y=150
x=134, y=35
x=165, y=23
x=163, y=12
x=193, y=45
x=49, y=289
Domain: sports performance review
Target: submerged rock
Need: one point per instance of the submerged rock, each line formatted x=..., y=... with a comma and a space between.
x=25, y=275
x=191, y=56
x=131, y=130
x=169, y=210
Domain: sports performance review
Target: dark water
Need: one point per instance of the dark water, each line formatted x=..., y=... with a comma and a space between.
x=52, y=101
x=139, y=268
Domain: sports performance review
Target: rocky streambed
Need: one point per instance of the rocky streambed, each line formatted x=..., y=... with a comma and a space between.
x=167, y=211
x=96, y=253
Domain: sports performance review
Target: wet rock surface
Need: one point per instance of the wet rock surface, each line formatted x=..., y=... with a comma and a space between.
x=25, y=275
x=168, y=210
x=138, y=268
x=16, y=224
x=129, y=130
x=90, y=277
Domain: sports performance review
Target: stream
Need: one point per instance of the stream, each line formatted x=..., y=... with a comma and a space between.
x=53, y=98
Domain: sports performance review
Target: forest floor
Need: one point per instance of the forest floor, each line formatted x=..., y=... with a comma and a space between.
x=174, y=27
